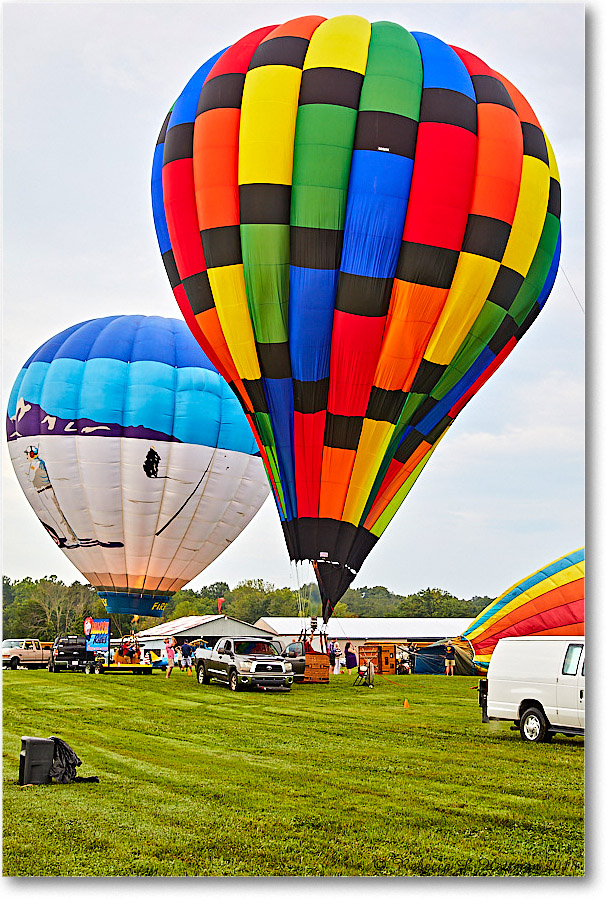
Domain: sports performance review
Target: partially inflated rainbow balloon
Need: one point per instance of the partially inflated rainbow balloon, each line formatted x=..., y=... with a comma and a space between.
x=551, y=601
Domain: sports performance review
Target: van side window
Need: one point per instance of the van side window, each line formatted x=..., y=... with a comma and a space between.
x=571, y=660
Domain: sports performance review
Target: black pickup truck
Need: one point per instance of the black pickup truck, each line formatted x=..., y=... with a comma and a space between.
x=70, y=652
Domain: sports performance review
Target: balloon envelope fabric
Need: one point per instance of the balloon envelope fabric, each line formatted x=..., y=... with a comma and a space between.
x=135, y=456
x=359, y=224
x=551, y=601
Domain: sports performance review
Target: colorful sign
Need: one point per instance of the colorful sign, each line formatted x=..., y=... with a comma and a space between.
x=97, y=633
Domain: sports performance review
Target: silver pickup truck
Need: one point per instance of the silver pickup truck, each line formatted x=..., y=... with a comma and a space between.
x=24, y=652
x=243, y=662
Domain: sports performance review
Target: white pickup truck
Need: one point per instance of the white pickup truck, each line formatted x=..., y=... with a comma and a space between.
x=242, y=662
x=24, y=652
x=538, y=683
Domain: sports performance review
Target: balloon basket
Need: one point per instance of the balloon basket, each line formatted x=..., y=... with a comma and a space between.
x=316, y=668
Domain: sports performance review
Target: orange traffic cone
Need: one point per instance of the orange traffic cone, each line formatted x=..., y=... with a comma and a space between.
x=406, y=704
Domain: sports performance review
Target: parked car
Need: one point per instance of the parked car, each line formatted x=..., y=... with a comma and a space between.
x=538, y=683
x=242, y=662
x=70, y=652
x=26, y=652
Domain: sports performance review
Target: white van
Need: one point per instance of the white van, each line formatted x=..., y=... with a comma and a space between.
x=538, y=683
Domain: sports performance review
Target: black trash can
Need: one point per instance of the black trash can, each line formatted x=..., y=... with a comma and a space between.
x=36, y=760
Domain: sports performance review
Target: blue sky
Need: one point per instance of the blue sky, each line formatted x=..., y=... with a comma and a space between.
x=86, y=89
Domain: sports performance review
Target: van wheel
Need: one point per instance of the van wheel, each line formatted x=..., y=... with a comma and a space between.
x=14, y=663
x=533, y=727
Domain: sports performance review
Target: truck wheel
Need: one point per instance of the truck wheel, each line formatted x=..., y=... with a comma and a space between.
x=233, y=681
x=533, y=726
x=201, y=674
x=98, y=668
x=88, y=668
x=14, y=663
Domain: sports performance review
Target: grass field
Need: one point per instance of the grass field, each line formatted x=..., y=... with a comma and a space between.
x=325, y=780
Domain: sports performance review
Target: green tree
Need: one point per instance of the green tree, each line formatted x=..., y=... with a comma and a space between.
x=477, y=605
x=282, y=602
x=308, y=600
x=248, y=601
x=375, y=601
x=184, y=608
x=62, y=609
x=430, y=602
x=8, y=592
x=19, y=613
x=433, y=602
x=202, y=602
x=214, y=591
x=342, y=611
x=46, y=608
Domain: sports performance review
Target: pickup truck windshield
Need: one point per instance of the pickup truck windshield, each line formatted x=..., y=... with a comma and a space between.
x=253, y=648
x=9, y=644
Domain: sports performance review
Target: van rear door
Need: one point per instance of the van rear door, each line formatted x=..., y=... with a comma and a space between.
x=581, y=692
x=570, y=683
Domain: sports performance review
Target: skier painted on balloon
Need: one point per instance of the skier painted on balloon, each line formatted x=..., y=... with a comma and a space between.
x=150, y=467
x=151, y=462
x=61, y=531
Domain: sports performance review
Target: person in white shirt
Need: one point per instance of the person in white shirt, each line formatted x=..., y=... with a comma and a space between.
x=338, y=652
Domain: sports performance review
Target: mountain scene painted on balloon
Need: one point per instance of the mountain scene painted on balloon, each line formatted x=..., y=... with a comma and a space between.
x=30, y=419
x=116, y=377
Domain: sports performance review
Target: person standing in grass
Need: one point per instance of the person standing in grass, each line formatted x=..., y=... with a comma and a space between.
x=170, y=656
x=331, y=652
x=338, y=654
x=187, y=657
x=351, y=657
x=450, y=659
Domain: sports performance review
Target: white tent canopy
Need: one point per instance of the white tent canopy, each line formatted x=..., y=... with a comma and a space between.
x=193, y=627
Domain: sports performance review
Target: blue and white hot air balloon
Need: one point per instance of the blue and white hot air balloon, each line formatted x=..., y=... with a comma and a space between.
x=135, y=455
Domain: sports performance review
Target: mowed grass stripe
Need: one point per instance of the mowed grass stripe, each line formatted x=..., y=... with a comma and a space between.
x=325, y=780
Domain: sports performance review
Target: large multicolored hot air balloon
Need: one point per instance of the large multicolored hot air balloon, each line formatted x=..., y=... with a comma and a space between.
x=358, y=224
x=551, y=601
x=135, y=456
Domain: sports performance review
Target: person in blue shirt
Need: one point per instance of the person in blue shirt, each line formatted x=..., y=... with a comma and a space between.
x=187, y=657
x=450, y=659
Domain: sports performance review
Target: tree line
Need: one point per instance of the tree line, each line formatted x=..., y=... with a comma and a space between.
x=47, y=607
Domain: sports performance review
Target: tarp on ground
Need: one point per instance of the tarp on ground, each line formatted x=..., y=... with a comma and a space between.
x=430, y=660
